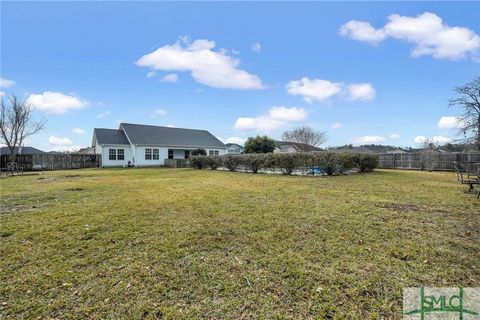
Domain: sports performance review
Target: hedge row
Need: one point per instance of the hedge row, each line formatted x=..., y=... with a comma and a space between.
x=327, y=162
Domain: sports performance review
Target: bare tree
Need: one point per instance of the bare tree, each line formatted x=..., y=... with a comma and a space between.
x=469, y=122
x=16, y=124
x=306, y=137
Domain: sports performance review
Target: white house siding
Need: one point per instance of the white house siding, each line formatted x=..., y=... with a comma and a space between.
x=140, y=156
x=178, y=153
x=221, y=152
x=136, y=155
x=104, y=151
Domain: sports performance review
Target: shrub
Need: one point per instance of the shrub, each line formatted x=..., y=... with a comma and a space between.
x=253, y=161
x=198, y=162
x=287, y=162
x=330, y=163
x=327, y=161
x=367, y=162
x=213, y=162
x=346, y=161
x=231, y=162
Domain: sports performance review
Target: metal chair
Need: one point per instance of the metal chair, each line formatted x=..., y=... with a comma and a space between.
x=462, y=180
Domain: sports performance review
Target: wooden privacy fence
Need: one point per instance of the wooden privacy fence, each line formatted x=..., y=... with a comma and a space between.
x=52, y=161
x=428, y=161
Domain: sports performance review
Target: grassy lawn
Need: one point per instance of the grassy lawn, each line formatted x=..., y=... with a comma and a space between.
x=187, y=244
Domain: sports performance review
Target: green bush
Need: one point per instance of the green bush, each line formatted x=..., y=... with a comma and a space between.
x=287, y=162
x=346, y=161
x=213, y=162
x=367, y=162
x=198, y=162
x=231, y=162
x=254, y=161
x=330, y=163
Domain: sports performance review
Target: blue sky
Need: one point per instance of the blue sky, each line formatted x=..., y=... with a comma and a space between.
x=363, y=72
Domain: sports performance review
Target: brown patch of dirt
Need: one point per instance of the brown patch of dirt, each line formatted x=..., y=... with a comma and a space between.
x=399, y=207
x=74, y=189
x=17, y=208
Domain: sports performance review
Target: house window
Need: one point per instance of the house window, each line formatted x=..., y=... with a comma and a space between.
x=148, y=154
x=170, y=153
x=187, y=154
x=210, y=152
x=120, y=154
x=155, y=154
x=112, y=154
x=216, y=152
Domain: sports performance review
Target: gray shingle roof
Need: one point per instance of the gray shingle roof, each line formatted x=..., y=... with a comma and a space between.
x=24, y=150
x=228, y=145
x=166, y=136
x=296, y=145
x=110, y=136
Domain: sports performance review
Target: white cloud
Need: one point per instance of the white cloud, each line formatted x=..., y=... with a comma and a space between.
x=362, y=31
x=262, y=123
x=313, y=89
x=369, y=140
x=320, y=90
x=159, y=113
x=171, y=77
x=336, y=125
x=439, y=140
x=275, y=118
x=238, y=140
x=212, y=68
x=5, y=83
x=103, y=114
x=360, y=91
x=55, y=102
x=420, y=139
x=427, y=32
x=287, y=114
x=170, y=126
x=78, y=131
x=151, y=74
x=395, y=136
x=56, y=141
x=2, y=94
x=256, y=47
x=449, y=123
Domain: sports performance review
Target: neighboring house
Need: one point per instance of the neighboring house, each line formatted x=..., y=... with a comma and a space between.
x=87, y=150
x=397, y=151
x=21, y=150
x=233, y=148
x=290, y=147
x=145, y=145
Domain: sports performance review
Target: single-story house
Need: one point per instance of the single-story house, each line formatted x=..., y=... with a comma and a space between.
x=291, y=147
x=87, y=150
x=146, y=145
x=21, y=151
x=233, y=148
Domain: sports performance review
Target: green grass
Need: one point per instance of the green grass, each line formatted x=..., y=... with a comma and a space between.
x=191, y=244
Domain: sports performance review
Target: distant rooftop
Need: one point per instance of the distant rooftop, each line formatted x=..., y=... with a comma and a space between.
x=22, y=150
